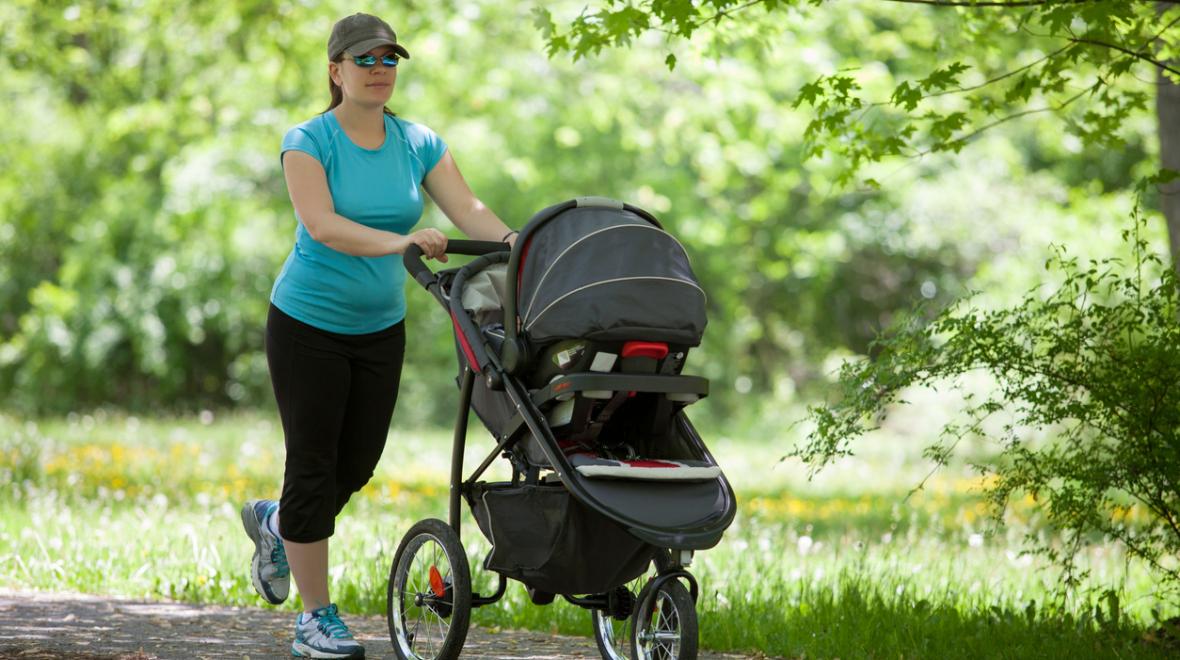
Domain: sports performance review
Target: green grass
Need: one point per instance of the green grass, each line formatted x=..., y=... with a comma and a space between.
x=844, y=566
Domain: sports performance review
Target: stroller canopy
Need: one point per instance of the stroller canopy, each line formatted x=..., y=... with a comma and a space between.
x=607, y=273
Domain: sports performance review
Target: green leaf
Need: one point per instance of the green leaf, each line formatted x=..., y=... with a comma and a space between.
x=906, y=95
x=943, y=78
x=809, y=92
x=543, y=21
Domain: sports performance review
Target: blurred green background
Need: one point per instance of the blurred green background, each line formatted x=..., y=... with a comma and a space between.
x=143, y=214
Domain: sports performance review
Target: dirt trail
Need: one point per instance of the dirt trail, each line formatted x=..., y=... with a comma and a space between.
x=36, y=626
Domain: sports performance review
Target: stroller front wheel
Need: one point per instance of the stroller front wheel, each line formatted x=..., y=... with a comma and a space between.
x=666, y=629
x=612, y=627
x=428, y=600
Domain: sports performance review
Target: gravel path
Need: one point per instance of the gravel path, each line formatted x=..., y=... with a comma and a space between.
x=37, y=626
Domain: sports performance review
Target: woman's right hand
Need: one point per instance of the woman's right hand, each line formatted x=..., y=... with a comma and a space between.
x=432, y=241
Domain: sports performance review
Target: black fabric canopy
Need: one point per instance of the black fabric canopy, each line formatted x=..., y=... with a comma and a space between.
x=608, y=274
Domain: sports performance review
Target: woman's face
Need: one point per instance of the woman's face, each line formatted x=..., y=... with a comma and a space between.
x=365, y=85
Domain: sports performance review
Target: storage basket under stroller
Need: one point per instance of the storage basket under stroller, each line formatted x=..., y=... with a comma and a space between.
x=551, y=542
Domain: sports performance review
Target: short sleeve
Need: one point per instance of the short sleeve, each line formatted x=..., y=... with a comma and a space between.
x=300, y=138
x=426, y=146
x=432, y=149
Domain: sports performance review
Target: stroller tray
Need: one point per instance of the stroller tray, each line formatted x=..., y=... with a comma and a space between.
x=545, y=538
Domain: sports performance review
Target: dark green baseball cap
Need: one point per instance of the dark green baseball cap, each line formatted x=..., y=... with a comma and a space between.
x=360, y=33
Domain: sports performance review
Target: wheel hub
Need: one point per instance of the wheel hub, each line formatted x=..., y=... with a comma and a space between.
x=620, y=603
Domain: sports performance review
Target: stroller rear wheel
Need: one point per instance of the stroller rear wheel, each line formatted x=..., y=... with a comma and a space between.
x=665, y=626
x=428, y=601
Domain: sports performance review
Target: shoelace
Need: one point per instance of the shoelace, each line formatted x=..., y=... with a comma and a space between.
x=331, y=625
x=278, y=554
x=278, y=557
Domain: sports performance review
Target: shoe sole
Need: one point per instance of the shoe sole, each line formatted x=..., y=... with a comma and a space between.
x=299, y=650
x=253, y=528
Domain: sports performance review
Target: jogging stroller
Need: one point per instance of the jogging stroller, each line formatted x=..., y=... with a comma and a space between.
x=570, y=350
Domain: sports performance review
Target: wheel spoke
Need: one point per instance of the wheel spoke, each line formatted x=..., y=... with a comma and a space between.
x=442, y=628
x=417, y=630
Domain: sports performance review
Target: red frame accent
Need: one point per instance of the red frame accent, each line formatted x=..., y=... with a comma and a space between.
x=524, y=253
x=466, y=346
x=649, y=349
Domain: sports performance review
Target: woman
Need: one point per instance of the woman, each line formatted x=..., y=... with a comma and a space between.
x=335, y=335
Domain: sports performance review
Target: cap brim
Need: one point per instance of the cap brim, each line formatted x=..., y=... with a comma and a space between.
x=369, y=44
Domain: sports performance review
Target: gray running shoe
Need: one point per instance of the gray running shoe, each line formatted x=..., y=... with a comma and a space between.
x=268, y=569
x=322, y=634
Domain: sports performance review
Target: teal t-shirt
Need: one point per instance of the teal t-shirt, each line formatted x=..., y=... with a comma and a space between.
x=375, y=187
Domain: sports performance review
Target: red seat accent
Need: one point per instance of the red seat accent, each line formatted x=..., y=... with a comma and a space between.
x=647, y=349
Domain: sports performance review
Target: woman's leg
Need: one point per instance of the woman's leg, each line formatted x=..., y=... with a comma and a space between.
x=309, y=566
x=376, y=375
x=311, y=375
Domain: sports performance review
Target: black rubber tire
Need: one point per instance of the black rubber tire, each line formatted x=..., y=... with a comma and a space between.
x=683, y=620
x=424, y=533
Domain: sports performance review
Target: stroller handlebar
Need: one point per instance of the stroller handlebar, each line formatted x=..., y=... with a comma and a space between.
x=426, y=277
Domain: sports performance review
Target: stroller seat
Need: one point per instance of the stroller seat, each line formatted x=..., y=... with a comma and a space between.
x=605, y=309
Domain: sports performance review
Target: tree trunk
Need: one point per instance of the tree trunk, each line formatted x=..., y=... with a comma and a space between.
x=1167, y=107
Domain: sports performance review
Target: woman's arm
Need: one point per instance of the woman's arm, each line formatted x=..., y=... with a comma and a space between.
x=448, y=189
x=307, y=184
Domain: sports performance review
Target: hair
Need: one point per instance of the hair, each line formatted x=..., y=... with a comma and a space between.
x=337, y=94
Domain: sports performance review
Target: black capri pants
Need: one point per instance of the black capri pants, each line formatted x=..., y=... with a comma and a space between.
x=336, y=395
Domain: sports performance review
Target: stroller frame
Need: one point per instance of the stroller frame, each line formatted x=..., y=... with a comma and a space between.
x=460, y=488
x=673, y=544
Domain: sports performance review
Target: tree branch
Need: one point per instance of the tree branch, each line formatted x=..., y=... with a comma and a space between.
x=1128, y=51
x=1142, y=553
x=1010, y=117
x=1001, y=77
x=722, y=13
x=997, y=79
x=1147, y=44
x=733, y=10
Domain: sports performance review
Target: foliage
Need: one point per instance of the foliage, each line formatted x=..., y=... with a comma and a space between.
x=129, y=225
x=140, y=236
x=1095, y=363
x=1067, y=51
x=144, y=216
x=819, y=571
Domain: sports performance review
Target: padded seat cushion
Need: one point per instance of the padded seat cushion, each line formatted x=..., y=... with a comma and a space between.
x=644, y=469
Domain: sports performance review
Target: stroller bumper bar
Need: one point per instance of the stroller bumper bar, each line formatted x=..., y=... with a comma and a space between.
x=592, y=382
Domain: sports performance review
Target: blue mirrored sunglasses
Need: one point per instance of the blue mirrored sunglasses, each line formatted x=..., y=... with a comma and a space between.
x=368, y=61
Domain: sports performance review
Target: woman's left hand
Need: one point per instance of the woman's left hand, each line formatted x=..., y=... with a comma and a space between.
x=433, y=243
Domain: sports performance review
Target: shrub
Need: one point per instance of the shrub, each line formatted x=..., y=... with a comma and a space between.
x=1096, y=364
